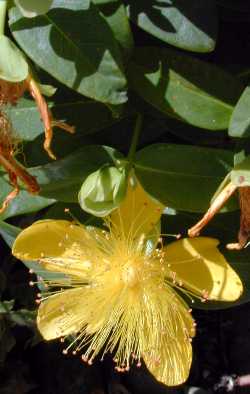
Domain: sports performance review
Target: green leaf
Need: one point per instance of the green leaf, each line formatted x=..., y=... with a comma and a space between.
x=240, y=175
x=103, y=190
x=13, y=66
x=23, y=203
x=187, y=24
x=9, y=232
x=180, y=86
x=115, y=15
x=32, y=8
x=23, y=317
x=87, y=117
x=240, y=121
x=183, y=177
x=6, y=306
x=62, y=179
x=76, y=46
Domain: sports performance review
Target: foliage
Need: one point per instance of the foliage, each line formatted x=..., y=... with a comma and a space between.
x=103, y=62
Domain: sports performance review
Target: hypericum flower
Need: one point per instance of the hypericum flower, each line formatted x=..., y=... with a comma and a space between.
x=117, y=292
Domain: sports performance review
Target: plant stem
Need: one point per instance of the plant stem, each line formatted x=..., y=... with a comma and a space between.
x=3, y=8
x=132, y=150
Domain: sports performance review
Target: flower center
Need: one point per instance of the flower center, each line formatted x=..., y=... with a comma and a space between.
x=129, y=275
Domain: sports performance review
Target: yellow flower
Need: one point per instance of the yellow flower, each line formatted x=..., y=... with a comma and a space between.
x=117, y=292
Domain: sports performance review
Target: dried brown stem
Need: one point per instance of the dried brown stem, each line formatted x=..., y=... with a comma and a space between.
x=46, y=116
x=244, y=232
x=216, y=205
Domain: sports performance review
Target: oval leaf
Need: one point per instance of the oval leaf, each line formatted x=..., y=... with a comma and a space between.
x=13, y=66
x=32, y=8
x=180, y=86
x=181, y=176
x=23, y=203
x=85, y=59
x=27, y=124
x=240, y=121
x=115, y=15
x=9, y=232
x=187, y=24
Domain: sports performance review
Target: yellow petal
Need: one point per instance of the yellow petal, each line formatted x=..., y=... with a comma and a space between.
x=138, y=213
x=170, y=361
x=62, y=314
x=59, y=245
x=203, y=269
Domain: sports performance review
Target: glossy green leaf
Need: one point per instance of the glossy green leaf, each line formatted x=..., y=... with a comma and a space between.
x=9, y=232
x=73, y=49
x=86, y=117
x=115, y=15
x=103, y=190
x=180, y=86
x=182, y=177
x=13, y=66
x=23, y=317
x=187, y=24
x=32, y=8
x=62, y=179
x=240, y=175
x=240, y=121
x=187, y=133
x=23, y=203
x=6, y=306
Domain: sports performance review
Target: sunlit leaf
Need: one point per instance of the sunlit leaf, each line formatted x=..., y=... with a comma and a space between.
x=187, y=24
x=180, y=86
x=13, y=66
x=32, y=8
x=87, y=60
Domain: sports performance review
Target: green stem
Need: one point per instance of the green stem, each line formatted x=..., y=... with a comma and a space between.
x=3, y=8
x=132, y=150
